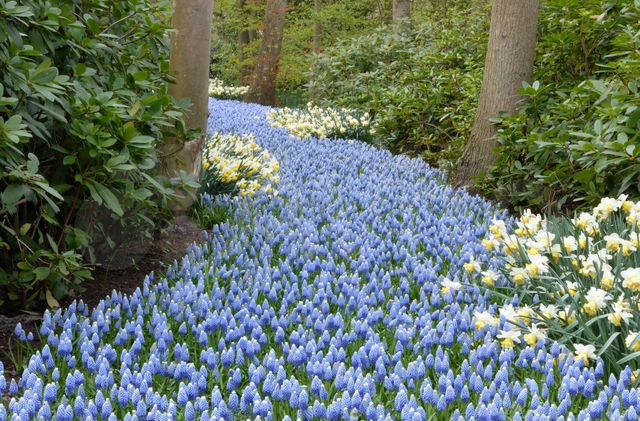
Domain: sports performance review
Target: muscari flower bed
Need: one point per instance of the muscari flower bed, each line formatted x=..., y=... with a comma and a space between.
x=343, y=298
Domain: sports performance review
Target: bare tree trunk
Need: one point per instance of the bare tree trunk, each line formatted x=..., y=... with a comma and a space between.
x=317, y=26
x=263, y=84
x=189, y=65
x=244, y=38
x=509, y=62
x=401, y=10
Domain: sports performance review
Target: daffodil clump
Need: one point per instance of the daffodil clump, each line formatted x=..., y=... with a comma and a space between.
x=235, y=163
x=218, y=89
x=322, y=123
x=577, y=280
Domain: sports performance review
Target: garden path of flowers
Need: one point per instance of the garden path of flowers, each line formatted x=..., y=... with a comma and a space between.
x=344, y=297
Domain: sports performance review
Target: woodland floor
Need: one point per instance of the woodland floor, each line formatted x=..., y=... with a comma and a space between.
x=166, y=248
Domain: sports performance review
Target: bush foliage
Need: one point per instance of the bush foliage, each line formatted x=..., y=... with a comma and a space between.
x=420, y=85
x=83, y=108
x=576, y=142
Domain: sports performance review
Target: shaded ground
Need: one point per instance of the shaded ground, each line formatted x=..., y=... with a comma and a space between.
x=166, y=248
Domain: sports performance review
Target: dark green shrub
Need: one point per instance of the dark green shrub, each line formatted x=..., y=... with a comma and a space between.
x=570, y=146
x=83, y=109
x=420, y=85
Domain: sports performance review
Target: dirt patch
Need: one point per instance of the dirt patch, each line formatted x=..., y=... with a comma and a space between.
x=166, y=247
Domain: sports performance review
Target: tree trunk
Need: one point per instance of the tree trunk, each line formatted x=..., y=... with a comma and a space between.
x=317, y=26
x=263, y=84
x=189, y=65
x=509, y=63
x=401, y=10
x=244, y=38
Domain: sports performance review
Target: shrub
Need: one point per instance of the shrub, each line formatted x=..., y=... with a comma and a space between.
x=570, y=146
x=419, y=85
x=234, y=163
x=322, y=123
x=83, y=109
x=576, y=280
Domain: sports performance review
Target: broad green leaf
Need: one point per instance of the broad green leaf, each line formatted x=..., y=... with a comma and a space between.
x=110, y=199
x=42, y=273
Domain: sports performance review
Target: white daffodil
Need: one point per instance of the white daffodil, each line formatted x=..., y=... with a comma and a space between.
x=548, y=311
x=484, y=319
x=632, y=341
x=620, y=314
x=535, y=335
x=449, y=285
x=584, y=353
x=631, y=279
x=489, y=278
x=596, y=300
x=509, y=338
x=509, y=313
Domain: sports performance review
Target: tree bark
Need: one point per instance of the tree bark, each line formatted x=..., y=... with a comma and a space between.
x=244, y=38
x=263, y=83
x=509, y=63
x=317, y=26
x=401, y=10
x=189, y=65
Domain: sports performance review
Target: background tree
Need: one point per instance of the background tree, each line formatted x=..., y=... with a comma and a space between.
x=263, y=81
x=317, y=26
x=246, y=35
x=509, y=62
x=401, y=10
x=189, y=65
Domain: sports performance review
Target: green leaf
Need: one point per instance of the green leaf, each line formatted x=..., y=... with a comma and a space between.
x=13, y=193
x=42, y=273
x=33, y=163
x=53, y=110
x=53, y=192
x=608, y=343
x=142, y=142
x=140, y=76
x=110, y=199
x=629, y=357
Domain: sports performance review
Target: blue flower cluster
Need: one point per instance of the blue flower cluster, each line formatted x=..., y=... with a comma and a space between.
x=343, y=298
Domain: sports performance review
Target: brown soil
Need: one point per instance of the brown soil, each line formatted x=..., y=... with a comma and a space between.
x=167, y=247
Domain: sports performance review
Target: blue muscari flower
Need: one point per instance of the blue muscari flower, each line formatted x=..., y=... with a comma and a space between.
x=303, y=399
x=64, y=413
x=401, y=399
x=107, y=409
x=183, y=398
x=20, y=333
x=189, y=412
x=79, y=406
x=522, y=397
x=234, y=401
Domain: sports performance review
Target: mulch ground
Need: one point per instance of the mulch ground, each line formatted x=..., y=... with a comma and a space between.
x=167, y=247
